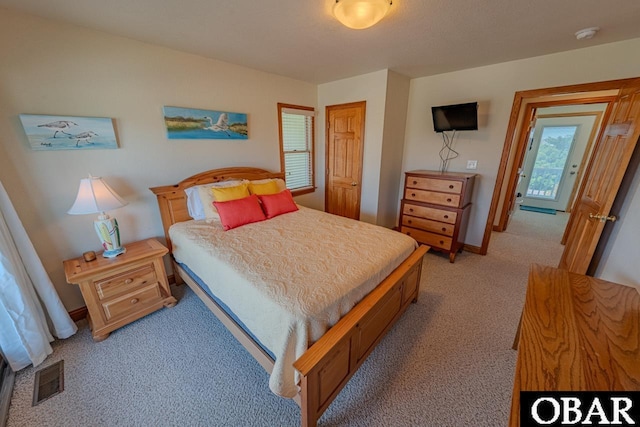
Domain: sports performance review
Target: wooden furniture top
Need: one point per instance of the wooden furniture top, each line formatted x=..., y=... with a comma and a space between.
x=577, y=333
x=172, y=200
x=443, y=175
x=77, y=269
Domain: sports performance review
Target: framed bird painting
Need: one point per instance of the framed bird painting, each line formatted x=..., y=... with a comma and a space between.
x=68, y=132
x=191, y=123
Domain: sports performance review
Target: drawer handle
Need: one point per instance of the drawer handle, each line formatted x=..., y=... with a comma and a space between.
x=444, y=229
x=415, y=182
x=451, y=186
x=442, y=242
x=128, y=281
x=413, y=194
x=408, y=233
x=134, y=301
x=410, y=209
x=448, y=200
x=446, y=216
x=409, y=222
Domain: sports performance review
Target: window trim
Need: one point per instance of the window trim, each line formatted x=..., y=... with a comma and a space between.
x=312, y=188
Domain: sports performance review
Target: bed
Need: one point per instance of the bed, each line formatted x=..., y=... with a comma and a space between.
x=322, y=340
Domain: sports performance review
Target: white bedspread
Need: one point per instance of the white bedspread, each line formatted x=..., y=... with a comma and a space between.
x=292, y=277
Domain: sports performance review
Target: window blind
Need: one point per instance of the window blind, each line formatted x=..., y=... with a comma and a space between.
x=297, y=147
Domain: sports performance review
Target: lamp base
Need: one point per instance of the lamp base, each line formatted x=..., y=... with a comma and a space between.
x=114, y=253
x=109, y=234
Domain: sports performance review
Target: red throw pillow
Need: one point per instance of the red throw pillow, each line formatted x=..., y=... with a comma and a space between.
x=278, y=204
x=234, y=213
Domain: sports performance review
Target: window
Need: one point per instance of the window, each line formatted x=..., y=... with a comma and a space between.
x=297, y=131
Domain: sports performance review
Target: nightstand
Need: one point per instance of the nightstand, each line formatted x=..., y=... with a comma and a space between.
x=119, y=290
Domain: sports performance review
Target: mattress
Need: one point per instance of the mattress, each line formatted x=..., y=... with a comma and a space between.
x=290, y=278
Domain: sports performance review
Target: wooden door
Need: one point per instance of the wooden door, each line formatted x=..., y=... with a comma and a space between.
x=345, y=140
x=606, y=169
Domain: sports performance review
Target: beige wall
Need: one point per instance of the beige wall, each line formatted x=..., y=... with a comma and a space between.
x=386, y=94
x=395, y=121
x=371, y=88
x=494, y=87
x=53, y=68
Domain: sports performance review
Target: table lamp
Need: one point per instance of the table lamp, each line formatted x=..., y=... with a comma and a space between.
x=95, y=196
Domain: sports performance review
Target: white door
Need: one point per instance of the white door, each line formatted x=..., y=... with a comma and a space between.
x=553, y=160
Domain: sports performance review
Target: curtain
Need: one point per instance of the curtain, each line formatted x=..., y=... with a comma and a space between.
x=31, y=312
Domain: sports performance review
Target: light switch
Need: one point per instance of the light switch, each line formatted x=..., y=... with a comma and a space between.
x=472, y=164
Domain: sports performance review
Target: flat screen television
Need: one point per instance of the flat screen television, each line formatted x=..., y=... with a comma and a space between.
x=455, y=117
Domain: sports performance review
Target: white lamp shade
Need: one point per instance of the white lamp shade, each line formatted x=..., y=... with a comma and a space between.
x=360, y=14
x=95, y=196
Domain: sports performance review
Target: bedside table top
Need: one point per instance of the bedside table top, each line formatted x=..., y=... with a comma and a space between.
x=440, y=174
x=77, y=269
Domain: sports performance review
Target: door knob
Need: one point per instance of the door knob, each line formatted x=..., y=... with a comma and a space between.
x=603, y=218
x=353, y=184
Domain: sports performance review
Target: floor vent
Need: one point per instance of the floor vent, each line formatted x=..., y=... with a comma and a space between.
x=49, y=382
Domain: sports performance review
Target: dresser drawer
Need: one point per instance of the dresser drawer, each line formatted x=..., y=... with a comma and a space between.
x=433, y=184
x=431, y=239
x=428, y=225
x=132, y=302
x=430, y=213
x=123, y=282
x=444, y=199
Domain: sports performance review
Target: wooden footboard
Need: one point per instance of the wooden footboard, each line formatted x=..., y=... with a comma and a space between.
x=328, y=365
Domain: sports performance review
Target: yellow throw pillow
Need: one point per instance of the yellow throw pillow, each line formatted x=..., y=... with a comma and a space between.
x=263, y=189
x=224, y=194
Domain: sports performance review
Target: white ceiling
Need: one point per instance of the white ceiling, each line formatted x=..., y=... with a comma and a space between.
x=302, y=40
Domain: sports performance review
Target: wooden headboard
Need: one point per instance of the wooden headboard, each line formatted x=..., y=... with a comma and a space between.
x=172, y=200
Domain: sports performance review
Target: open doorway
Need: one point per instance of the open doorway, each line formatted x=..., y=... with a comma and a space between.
x=559, y=145
x=604, y=171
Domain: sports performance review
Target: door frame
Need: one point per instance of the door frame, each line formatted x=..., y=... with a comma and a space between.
x=357, y=104
x=516, y=137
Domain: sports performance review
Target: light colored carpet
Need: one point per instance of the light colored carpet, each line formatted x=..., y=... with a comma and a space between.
x=447, y=362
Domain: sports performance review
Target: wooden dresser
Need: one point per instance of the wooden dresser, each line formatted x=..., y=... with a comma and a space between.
x=435, y=208
x=576, y=333
x=119, y=290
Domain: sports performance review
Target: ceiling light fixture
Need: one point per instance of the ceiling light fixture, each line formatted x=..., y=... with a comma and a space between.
x=587, y=33
x=360, y=14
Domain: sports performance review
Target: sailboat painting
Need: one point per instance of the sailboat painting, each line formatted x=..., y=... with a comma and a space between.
x=48, y=133
x=190, y=123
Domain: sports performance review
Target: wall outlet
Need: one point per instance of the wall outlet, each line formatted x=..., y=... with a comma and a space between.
x=472, y=164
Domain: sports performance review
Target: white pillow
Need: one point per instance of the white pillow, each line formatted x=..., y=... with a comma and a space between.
x=194, y=205
x=200, y=199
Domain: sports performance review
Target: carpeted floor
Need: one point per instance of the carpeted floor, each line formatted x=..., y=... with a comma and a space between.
x=447, y=362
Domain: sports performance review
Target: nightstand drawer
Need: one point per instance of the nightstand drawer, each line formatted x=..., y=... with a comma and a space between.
x=127, y=281
x=132, y=302
x=444, y=199
x=430, y=213
x=432, y=184
x=431, y=239
x=428, y=225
